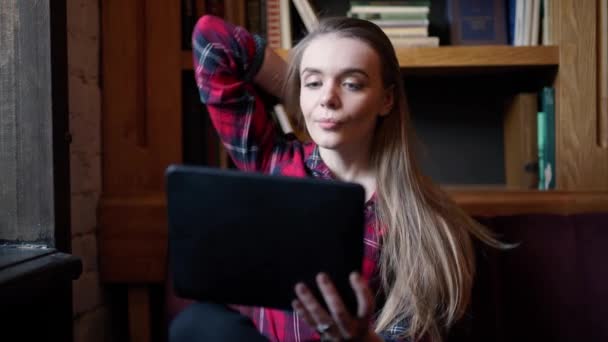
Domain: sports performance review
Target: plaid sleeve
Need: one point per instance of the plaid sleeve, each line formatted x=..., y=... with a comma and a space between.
x=396, y=332
x=226, y=58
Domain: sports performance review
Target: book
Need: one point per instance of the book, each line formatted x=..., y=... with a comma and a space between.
x=263, y=19
x=367, y=9
x=535, y=23
x=544, y=172
x=253, y=22
x=391, y=2
x=415, y=42
x=519, y=23
x=477, y=22
x=398, y=32
x=235, y=12
x=511, y=21
x=520, y=136
x=388, y=16
x=546, y=140
x=285, y=24
x=401, y=23
x=547, y=22
x=527, y=24
x=273, y=23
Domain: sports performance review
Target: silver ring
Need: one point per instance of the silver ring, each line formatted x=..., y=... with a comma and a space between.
x=322, y=328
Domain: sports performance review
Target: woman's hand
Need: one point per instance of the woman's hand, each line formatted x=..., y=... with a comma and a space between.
x=338, y=324
x=272, y=74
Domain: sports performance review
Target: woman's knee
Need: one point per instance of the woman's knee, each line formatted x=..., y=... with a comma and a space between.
x=211, y=322
x=187, y=324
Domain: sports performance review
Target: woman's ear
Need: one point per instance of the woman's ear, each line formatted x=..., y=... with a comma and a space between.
x=388, y=100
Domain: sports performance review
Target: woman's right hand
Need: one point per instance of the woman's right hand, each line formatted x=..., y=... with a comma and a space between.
x=272, y=74
x=338, y=324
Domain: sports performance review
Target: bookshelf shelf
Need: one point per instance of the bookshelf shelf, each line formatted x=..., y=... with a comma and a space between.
x=478, y=57
x=460, y=57
x=500, y=201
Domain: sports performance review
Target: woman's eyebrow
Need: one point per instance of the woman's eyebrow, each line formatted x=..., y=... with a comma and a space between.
x=354, y=71
x=341, y=73
x=310, y=71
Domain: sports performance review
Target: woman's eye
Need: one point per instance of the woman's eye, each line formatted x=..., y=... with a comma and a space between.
x=352, y=86
x=312, y=84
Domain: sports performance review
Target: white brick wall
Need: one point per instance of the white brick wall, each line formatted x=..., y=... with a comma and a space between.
x=84, y=210
x=87, y=295
x=85, y=246
x=91, y=315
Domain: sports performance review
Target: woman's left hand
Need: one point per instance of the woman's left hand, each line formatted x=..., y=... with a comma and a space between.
x=338, y=324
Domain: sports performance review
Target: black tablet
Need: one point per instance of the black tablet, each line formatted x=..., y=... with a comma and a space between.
x=247, y=238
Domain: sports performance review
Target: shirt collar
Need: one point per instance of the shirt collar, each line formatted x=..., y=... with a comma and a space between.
x=319, y=169
x=317, y=166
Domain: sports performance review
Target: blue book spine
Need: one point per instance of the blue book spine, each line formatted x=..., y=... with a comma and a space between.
x=511, y=10
x=477, y=22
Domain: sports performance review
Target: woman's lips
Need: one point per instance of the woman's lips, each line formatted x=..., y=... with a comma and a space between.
x=328, y=124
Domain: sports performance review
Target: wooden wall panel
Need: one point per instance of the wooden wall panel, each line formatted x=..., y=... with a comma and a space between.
x=602, y=61
x=141, y=94
x=141, y=130
x=581, y=163
x=133, y=239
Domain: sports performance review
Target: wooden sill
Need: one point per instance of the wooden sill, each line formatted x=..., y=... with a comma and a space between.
x=27, y=271
x=460, y=57
x=477, y=201
x=133, y=234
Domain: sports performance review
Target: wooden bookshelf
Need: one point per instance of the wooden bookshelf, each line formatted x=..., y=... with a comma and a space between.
x=450, y=57
x=478, y=56
x=142, y=63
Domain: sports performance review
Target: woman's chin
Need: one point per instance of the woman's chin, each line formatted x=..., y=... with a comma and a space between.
x=328, y=140
x=328, y=144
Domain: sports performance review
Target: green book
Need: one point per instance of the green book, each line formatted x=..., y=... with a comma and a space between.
x=546, y=140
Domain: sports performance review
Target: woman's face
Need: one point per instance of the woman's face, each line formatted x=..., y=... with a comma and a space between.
x=342, y=93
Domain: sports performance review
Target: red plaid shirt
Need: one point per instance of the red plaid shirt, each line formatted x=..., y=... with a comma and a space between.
x=226, y=58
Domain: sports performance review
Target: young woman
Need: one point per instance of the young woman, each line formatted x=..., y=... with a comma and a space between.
x=344, y=85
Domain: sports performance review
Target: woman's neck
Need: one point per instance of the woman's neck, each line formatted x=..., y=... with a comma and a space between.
x=351, y=166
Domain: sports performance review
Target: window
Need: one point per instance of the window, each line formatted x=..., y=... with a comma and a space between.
x=34, y=167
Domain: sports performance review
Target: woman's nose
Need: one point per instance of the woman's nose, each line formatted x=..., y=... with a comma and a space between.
x=329, y=97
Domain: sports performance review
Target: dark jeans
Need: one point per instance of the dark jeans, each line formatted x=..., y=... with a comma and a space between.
x=213, y=322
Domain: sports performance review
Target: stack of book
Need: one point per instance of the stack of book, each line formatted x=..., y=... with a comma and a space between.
x=531, y=22
x=406, y=22
x=497, y=22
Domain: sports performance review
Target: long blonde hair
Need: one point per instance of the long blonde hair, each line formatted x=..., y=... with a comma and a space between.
x=427, y=262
